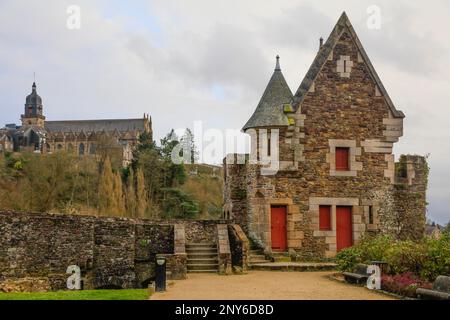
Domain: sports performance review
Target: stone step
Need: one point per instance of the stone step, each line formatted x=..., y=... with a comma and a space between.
x=203, y=271
x=257, y=257
x=282, y=259
x=201, y=250
x=201, y=245
x=256, y=251
x=280, y=254
x=202, y=255
x=202, y=266
x=258, y=261
x=293, y=266
x=200, y=261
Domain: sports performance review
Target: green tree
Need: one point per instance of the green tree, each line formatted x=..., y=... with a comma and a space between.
x=106, y=188
x=179, y=204
x=141, y=195
x=118, y=206
x=131, y=195
x=188, y=143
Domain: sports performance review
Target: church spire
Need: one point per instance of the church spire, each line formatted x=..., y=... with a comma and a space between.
x=33, y=114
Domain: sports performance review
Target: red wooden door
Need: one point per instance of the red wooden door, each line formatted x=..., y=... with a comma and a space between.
x=278, y=228
x=344, y=232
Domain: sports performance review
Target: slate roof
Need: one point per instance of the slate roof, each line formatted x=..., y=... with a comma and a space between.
x=34, y=98
x=76, y=126
x=322, y=57
x=270, y=110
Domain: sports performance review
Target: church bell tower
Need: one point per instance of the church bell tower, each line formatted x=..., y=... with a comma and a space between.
x=33, y=115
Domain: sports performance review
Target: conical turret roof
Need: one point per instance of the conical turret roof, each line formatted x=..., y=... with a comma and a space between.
x=270, y=110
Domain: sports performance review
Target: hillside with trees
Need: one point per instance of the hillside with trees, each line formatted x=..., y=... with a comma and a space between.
x=152, y=187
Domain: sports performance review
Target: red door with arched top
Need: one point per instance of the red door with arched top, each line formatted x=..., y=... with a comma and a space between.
x=278, y=228
x=344, y=230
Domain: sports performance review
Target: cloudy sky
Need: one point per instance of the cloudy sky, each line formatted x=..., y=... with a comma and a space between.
x=183, y=61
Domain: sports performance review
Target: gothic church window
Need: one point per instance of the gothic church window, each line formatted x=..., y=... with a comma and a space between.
x=92, y=148
x=81, y=149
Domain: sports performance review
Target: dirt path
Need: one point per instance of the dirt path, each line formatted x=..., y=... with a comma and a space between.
x=262, y=285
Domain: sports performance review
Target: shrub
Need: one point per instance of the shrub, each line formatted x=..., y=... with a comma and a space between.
x=437, y=257
x=348, y=259
x=367, y=250
x=404, y=256
x=427, y=258
x=404, y=284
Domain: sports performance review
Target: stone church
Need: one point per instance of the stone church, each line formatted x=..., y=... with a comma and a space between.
x=78, y=137
x=337, y=179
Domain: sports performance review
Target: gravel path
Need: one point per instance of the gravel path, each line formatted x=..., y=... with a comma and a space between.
x=263, y=285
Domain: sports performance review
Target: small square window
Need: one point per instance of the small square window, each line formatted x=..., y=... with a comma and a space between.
x=343, y=159
x=325, y=218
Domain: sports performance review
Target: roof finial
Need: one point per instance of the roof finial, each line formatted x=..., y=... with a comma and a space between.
x=277, y=67
x=34, y=81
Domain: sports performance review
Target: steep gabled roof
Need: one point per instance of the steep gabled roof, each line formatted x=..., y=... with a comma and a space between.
x=270, y=112
x=322, y=57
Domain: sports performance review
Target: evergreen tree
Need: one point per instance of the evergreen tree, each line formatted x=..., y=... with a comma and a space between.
x=106, y=188
x=119, y=200
x=131, y=195
x=188, y=144
x=141, y=195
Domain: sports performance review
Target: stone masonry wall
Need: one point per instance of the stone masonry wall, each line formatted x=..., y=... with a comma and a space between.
x=235, y=190
x=342, y=109
x=111, y=252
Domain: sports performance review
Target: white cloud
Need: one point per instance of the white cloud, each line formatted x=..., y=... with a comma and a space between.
x=183, y=61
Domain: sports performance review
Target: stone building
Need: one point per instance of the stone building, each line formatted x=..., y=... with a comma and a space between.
x=80, y=137
x=337, y=179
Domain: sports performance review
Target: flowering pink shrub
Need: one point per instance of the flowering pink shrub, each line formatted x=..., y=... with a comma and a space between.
x=404, y=284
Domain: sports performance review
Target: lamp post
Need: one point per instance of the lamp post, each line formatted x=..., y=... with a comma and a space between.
x=160, y=285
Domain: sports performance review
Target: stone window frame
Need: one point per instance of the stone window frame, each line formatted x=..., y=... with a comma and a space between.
x=344, y=66
x=358, y=225
x=354, y=151
x=375, y=211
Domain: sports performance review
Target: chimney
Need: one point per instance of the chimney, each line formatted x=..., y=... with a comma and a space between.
x=321, y=42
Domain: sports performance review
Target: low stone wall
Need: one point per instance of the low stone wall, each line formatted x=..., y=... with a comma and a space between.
x=224, y=251
x=240, y=247
x=111, y=252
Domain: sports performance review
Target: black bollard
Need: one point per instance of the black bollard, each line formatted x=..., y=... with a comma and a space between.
x=160, y=285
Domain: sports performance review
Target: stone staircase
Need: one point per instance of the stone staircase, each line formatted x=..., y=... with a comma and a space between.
x=202, y=258
x=257, y=257
x=283, y=262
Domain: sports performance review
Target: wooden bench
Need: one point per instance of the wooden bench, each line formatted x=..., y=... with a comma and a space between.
x=360, y=275
x=440, y=291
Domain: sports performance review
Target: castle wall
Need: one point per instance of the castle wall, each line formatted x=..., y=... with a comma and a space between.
x=112, y=252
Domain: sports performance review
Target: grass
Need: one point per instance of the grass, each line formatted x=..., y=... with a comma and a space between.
x=138, y=294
